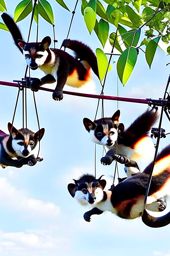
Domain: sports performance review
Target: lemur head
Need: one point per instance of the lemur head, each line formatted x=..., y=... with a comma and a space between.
x=104, y=131
x=86, y=190
x=23, y=141
x=35, y=53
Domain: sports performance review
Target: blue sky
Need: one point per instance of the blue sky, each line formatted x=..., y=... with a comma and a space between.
x=37, y=215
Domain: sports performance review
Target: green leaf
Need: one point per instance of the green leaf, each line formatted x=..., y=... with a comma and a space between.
x=126, y=63
x=133, y=16
x=45, y=10
x=2, y=6
x=115, y=42
x=151, y=49
x=102, y=63
x=3, y=26
x=103, y=31
x=137, y=4
x=101, y=10
x=90, y=18
x=61, y=2
x=92, y=4
x=131, y=38
x=22, y=10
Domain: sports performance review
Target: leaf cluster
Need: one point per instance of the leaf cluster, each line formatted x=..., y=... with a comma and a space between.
x=130, y=26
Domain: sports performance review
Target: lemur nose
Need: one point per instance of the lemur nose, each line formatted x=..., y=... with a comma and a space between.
x=109, y=142
x=25, y=152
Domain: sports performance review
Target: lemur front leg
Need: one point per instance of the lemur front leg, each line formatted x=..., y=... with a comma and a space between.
x=87, y=215
x=110, y=156
x=62, y=74
x=18, y=163
x=35, y=83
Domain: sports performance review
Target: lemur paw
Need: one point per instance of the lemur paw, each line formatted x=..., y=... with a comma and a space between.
x=162, y=204
x=87, y=217
x=32, y=161
x=57, y=95
x=35, y=84
x=106, y=160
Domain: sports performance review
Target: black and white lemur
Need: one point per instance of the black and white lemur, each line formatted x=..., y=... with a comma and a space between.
x=127, y=198
x=57, y=64
x=18, y=147
x=126, y=146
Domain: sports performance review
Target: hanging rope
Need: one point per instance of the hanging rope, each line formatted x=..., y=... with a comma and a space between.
x=157, y=145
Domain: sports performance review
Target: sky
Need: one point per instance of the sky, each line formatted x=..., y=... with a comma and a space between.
x=38, y=217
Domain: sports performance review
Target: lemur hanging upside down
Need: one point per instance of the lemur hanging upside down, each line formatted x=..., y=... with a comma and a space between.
x=57, y=64
x=16, y=148
x=126, y=146
x=126, y=199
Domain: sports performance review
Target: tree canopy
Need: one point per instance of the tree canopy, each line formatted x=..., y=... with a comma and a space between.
x=132, y=27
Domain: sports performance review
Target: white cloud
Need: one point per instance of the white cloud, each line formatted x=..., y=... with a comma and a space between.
x=17, y=200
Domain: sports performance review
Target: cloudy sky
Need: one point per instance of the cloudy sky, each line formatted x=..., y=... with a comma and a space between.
x=37, y=215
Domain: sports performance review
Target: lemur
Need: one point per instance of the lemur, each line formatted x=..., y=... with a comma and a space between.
x=16, y=148
x=127, y=198
x=58, y=65
x=126, y=146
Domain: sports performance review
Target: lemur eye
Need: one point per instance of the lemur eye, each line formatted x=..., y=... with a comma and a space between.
x=21, y=143
x=27, y=56
x=32, y=143
x=99, y=134
x=84, y=190
x=39, y=56
x=95, y=184
x=111, y=133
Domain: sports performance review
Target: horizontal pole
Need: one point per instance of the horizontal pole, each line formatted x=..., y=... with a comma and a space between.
x=159, y=102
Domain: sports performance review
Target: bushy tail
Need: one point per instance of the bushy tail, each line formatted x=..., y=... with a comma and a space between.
x=82, y=52
x=13, y=28
x=140, y=127
x=162, y=163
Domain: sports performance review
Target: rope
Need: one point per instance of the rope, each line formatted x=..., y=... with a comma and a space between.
x=156, y=147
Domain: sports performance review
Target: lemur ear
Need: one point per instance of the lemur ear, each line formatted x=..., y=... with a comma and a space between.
x=121, y=127
x=21, y=44
x=12, y=130
x=88, y=124
x=39, y=134
x=116, y=116
x=46, y=42
x=102, y=182
x=71, y=188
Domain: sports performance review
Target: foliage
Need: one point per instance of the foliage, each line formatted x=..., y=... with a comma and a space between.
x=131, y=26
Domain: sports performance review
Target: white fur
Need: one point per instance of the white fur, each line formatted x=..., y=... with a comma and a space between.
x=19, y=149
x=81, y=197
x=40, y=61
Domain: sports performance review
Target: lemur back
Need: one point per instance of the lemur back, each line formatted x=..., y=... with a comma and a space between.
x=58, y=65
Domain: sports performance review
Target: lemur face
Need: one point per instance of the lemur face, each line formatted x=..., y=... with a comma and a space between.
x=104, y=131
x=86, y=189
x=35, y=53
x=24, y=141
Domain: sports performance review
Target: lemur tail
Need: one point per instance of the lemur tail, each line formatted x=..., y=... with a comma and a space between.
x=13, y=28
x=162, y=163
x=82, y=52
x=140, y=127
x=161, y=176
